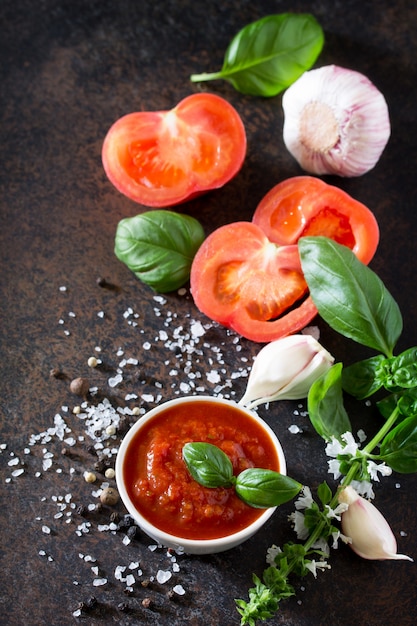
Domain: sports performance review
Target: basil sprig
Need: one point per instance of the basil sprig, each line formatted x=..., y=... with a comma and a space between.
x=259, y=488
x=158, y=246
x=268, y=55
x=349, y=296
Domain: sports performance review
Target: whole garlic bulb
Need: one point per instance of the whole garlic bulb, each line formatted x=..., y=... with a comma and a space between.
x=335, y=122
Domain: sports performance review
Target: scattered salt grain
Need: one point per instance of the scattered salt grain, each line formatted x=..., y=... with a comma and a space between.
x=115, y=380
x=99, y=582
x=179, y=590
x=163, y=576
x=294, y=429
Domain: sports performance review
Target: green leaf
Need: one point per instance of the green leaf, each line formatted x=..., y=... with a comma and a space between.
x=268, y=55
x=404, y=369
x=262, y=488
x=399, y=447
x=158, y=247
x=208, y=464
x=324, y=493
x=364, y=378
x=349, y=296
x=325, y=405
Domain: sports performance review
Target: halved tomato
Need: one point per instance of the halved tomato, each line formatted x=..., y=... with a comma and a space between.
x=164, y=158
x=306, y=206
x=247, y=275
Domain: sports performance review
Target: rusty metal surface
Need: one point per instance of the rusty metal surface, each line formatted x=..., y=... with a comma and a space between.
x=68, y=70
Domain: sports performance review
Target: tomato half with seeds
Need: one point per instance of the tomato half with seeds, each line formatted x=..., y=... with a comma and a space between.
x=164, y=158
x=247, y=275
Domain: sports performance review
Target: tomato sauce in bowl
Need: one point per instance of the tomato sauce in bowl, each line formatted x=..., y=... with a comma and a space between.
x=160, y=493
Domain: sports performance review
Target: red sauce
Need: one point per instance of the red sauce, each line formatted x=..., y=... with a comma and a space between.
x=160, y=486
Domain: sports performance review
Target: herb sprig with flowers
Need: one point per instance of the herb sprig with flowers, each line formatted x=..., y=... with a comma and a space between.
x=352, y=299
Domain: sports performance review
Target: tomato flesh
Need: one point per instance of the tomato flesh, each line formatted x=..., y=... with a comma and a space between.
x=247, y=275
x=167, y=157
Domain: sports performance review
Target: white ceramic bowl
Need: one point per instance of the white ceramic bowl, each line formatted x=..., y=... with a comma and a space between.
x=191, y=546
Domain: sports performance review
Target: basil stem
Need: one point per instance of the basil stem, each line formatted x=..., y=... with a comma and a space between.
x=208, y=465
x=158, y=246
x=349, y=296
x=268, y=55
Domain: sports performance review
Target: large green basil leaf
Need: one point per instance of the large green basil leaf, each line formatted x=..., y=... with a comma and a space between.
x=262, y=488
x=399, y=447
x=208, y=464
x=159, y=247
x=349, y=296
x=268, y=55
x=325, y=405
x=364, y=378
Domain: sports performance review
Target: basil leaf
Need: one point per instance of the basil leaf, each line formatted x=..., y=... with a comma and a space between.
x=263, y=488
x=268, y=55
x=324, y=493
x=349, y=296
x=387, y=405
x=208, y=464
x=399, y=447
x=158, y=247
x=364, y=378
x=325, y=405
x=404, y=369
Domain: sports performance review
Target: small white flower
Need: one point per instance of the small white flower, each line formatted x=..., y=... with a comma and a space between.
x=337, y=512
x=333, y=448
x=321, y=545
x=334, y=468
x=374, y=468
x=305, y=500
x=364, y=488
x=300, y=528
x=314, y=566
x=351, y=446
x=271, y=553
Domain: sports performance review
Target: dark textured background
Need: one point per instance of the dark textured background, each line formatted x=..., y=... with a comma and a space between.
x=68, y=69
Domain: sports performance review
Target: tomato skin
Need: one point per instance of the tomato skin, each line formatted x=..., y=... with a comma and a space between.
x=247, y=275
x=304, y=205
x=165, y=158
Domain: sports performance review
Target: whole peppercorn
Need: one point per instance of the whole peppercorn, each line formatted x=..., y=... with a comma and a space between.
x=147, y=603
x=132, y=531
x=80, y=387
x=109, y=496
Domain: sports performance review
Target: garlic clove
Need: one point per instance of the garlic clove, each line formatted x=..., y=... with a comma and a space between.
x=285, y=369
x=370, y=534
x=335, y=122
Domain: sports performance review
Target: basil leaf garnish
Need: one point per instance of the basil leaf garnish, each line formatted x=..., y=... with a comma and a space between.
x=325, y=405
x=208, y=464
x=399, y=447
x=263, y=488
x=349, y=296
x=158, y=246
x=268, y=55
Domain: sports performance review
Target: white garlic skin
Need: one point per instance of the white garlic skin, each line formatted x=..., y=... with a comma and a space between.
x=370, y=534
x=285, y=369
x=335, y=122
